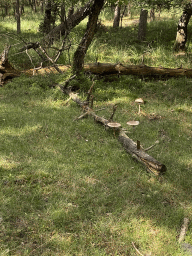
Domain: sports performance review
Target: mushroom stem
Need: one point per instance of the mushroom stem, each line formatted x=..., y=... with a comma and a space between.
x=139, y=109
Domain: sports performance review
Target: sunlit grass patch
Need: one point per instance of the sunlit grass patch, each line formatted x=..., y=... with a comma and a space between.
x=68, y=187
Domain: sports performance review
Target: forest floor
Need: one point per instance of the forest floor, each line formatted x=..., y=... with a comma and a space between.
x=68, y=187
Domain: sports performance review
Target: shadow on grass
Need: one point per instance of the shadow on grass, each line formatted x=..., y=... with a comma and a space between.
x=72, y=181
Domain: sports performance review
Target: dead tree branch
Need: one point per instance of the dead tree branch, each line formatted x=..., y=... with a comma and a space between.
x=183, y=230
x=130, y=146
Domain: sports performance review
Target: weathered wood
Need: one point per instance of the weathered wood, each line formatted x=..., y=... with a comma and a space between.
x=139, y=70
x=8, y=72
x=140, y=155
x=183, y=230
x=6, y=69
x=142, y=25
x=181, y=37
x=79, y=55
x=71, y=21
x=117, y=16
x=130, y=146
x=119, y=69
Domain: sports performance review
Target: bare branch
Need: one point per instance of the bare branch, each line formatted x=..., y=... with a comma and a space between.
x=137, y=250
x=183, y=230
x=114, y=109
x=49, y=58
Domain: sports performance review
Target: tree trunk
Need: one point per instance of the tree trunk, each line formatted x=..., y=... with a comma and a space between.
x=63, y=14
x=70, y=23
x=142, y=25
x=18, y=18
x=152, y=14
x=6, y=70
x=22, y=10
x=117, y=16
x=45, y=26
x=78, y=58
x=6, y=7
x=181, y=37
x=54, y=9
x=34, y=6
x=129, y=10
x=42, y=6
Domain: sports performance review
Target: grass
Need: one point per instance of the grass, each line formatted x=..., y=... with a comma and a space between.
x=68, y=187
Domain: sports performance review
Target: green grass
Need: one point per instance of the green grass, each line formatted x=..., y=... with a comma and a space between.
x=68, y=187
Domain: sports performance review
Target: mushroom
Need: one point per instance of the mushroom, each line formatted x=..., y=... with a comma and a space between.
x=114, y=126
x=139, y=101
x=133, y=123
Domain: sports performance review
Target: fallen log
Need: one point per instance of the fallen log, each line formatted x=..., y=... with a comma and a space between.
x=119, y=69
x=151, y=164
x=7, y=71
x=139, y=70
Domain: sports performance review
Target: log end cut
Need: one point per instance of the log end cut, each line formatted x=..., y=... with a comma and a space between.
x=152, y=165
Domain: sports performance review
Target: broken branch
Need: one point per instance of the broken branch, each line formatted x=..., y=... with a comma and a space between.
x=114, y=109
x=89, y=93
x=137, y=249
x=130, y=146
x=183, y=230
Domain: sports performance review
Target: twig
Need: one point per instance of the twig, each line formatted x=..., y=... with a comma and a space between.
x=81, y=116
x=183, y=230
x=62, y=48
x=156, y=142
x=49, y=58
x=40, y=67
x=114, y=109
x=89, y=93
x=96, y=110
x=137, y=250
x=63, y=87
x=91, y=104
x=66, y=102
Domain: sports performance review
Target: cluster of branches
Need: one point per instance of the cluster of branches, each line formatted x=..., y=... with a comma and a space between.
x=68, y=22
x=71, y=13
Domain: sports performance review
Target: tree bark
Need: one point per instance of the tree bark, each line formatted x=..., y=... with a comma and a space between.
x=152, y=14
x=63, y=14
x=45, y=26
x=78, y=58
x=139, y=70
x=118, y=69
x=130, y=146
x=18, y=18
x=140, y=155
x=142, y=25
x=71, y=21
x=117, y=16
x=6, y=70
x=181, y=37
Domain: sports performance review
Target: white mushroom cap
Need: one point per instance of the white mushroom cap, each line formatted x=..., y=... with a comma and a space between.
x=114, y=125
x=139, y=101
x=133, y=123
